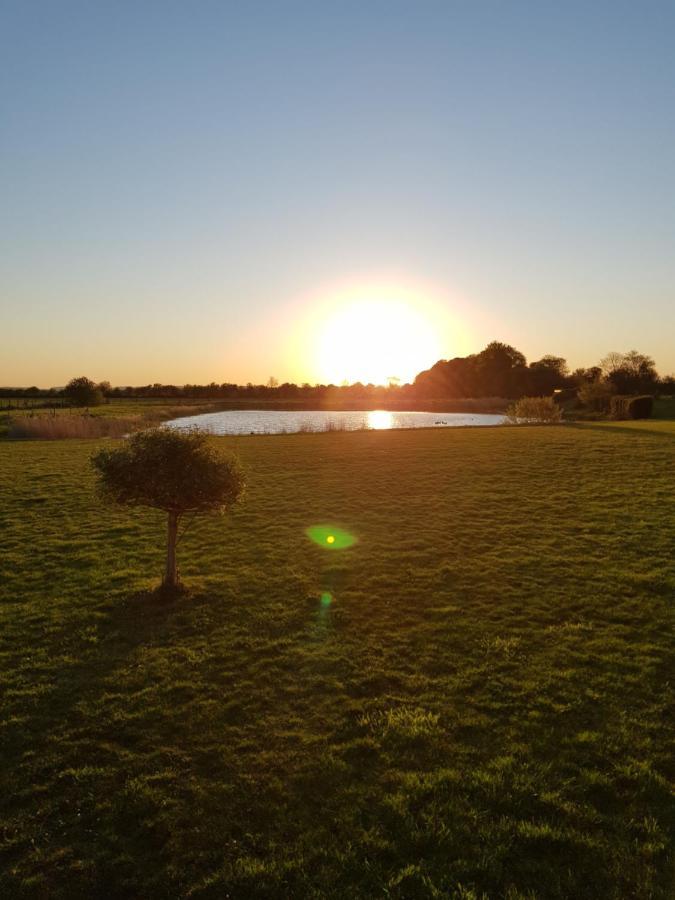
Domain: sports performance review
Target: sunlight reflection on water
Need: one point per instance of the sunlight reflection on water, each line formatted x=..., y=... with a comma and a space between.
x=280, y=421
x=380, y=419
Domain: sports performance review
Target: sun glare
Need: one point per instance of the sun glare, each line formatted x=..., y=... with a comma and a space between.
x=375, y=341
x=380, y=419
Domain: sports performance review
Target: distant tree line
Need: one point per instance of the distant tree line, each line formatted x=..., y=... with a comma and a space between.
x=502, y=371
x=497, y=371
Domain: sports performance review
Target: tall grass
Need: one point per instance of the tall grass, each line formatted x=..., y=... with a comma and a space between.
x=52, y=428
x=57, y=426
x=156, y=414
x=328, y=425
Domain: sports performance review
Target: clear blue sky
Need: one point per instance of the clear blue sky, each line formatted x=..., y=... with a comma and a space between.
x=183, y=182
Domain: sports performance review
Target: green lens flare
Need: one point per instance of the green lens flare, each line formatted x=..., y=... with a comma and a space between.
x=326, y=600
x=330, y=537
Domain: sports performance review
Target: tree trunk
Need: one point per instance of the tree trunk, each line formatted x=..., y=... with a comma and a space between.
x=171, y=573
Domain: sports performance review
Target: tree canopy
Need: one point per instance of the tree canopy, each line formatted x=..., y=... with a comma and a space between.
x=83, y=392
x=170, y=470
x=630, y=373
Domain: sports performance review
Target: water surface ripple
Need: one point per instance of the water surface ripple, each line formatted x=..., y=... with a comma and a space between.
x=277, y=421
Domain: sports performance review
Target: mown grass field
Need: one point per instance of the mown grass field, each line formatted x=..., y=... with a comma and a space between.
x=485, y=709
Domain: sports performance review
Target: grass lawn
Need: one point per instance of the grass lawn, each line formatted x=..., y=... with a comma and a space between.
x=485, y=708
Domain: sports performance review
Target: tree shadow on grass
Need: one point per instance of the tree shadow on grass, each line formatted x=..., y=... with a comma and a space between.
x=67, y=744
x=146, y=613
x=611, y=427
x=125, y=624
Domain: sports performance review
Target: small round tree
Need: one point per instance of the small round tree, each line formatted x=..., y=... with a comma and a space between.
x=83, y=392
x=177, y=472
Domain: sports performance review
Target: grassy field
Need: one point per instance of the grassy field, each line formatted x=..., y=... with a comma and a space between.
x=130, y=414
x=133, y=406
x=485, y=708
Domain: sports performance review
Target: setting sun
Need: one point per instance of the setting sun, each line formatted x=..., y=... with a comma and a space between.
x=374, y=341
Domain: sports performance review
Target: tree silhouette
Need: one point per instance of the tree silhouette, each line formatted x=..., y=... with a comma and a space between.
x=83, y=392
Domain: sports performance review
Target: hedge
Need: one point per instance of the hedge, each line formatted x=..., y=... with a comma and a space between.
x=624, y=407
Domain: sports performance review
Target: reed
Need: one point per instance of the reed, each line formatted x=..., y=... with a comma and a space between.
x=52, y=428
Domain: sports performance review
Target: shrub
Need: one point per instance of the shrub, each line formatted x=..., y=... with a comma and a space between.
x=632, y=407
x=641, y=407
x=534, y=410
x=617, y=407
x=596, y=395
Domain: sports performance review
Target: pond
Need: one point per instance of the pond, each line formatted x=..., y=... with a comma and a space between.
x=279, y=421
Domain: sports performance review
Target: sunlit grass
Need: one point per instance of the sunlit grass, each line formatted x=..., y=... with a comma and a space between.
x=473, y=699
